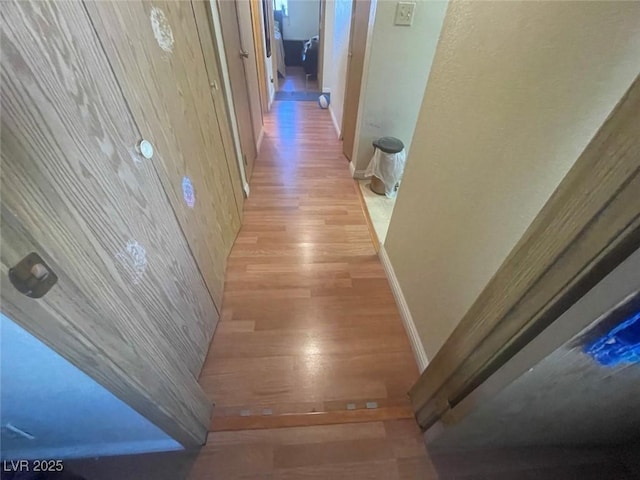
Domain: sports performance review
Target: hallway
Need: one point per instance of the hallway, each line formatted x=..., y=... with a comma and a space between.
x=309, y=323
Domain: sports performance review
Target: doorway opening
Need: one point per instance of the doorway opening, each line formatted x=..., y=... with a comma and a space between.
x=297, y=38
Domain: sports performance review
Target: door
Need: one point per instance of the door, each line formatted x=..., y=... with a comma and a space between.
x=322, y=5
x=157, y=57
x=260, y=28
x=129, y=307
x=357, y=46
x=245, y=25
x=236, y=56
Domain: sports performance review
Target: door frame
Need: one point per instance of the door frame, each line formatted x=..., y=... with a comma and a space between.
x=588, y=227
x=251, y=64
x=218, y=41
x=322, y=13
x=363, y=75
x=213, y=62
x=258, y=28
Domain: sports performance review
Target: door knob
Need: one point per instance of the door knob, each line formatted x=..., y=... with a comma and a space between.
x=244, y=54
x=32, y=276
x=145, y=148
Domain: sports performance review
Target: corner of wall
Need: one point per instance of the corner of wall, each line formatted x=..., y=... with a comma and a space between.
x=260, y=138
x=352, y=169
x=359, y=174
x=407, y=319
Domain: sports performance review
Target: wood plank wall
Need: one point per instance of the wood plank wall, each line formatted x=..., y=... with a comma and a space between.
x=170, y=98
x=131, y=307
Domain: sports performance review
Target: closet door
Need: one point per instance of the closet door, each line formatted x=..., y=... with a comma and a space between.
x=130, y=307
x=156, y=55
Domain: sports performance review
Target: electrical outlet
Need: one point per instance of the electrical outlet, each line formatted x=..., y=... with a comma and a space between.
x=404, y=13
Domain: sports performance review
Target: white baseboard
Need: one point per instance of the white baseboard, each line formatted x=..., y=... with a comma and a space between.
x=359, y=174
x=405, y=313
x=95, y=450
x=247, y=191
x=259, y=141
x=272, y=95
x=333, y=119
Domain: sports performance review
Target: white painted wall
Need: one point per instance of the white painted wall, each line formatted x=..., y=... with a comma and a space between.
x=516, y=92
x=70, y=414
x=303, y=20
x=327, y=59
x=268, y=61
x=394, y=81
x=339, y=57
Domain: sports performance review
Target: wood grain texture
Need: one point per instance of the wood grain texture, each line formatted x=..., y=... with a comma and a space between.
x=309, y=322
x=589, y=225
x=390, y=450
x=169, y=95
x=75, y=191
x=374, y=450
x=257, y=421
x=211, y=52
x=357, y=46
x=238, y=79
x=258, y=29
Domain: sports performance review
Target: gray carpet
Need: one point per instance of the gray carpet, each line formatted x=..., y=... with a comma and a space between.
x=299, y=96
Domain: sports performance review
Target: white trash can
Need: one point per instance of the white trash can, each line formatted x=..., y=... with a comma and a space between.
x=386, y=166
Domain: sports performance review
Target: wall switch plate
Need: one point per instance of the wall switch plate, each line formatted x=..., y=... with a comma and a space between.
x=404, y=13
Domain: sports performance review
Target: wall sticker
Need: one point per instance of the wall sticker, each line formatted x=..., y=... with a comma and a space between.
x=188, y=193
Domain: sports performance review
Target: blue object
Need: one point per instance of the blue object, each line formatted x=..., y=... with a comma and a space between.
x=620, y=345
x=188, y=192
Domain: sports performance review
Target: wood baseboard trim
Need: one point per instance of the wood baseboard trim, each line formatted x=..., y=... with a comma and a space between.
x=363, y=205
x=287, y=420
x=405, y=313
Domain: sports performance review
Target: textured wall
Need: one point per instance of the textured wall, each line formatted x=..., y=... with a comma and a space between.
x=516, y=92
x=399, y=63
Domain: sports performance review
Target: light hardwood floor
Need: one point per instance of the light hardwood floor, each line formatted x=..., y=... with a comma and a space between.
x=309, y=323
x=390, y=450
x=295, y=81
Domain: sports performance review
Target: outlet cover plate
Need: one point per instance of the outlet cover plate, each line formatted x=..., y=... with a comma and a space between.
x=404, y=13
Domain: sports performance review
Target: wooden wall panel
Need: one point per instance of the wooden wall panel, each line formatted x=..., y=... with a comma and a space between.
x=75, y=191
x=164, y=81
x=238, y=78
x=211, y=52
